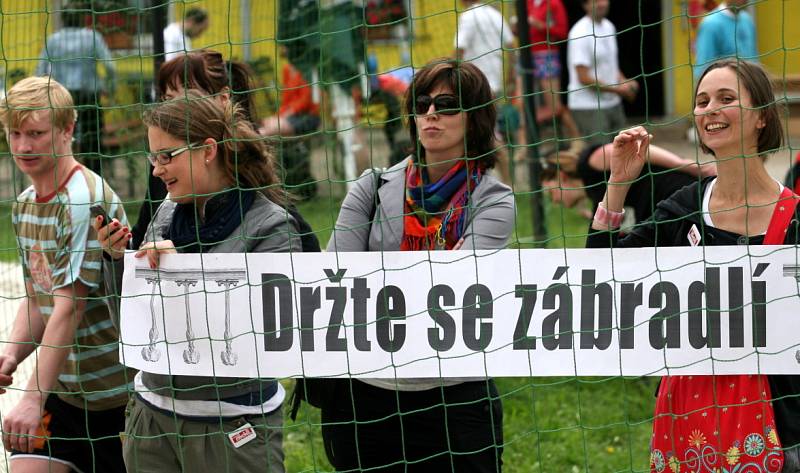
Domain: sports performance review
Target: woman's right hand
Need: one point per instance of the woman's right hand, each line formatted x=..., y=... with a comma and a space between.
x=628, y=155
x=113, y=238
x=153, y=251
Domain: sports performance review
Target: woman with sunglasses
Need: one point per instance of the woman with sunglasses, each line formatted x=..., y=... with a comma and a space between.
x=439, y=198
x=224, y=197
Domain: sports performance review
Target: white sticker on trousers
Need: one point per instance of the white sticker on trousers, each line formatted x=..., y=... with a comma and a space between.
x=242, y=435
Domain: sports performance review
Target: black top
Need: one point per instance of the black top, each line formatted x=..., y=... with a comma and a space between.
x=669, y=226
x=652, y=186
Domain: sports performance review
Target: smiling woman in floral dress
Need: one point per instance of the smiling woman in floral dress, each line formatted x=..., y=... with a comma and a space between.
x=720, y=423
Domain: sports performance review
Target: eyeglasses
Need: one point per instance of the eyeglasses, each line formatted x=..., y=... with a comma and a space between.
x=444, y=104
x=165, y=157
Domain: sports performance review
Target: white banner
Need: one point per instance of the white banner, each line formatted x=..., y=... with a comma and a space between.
x=532, y=312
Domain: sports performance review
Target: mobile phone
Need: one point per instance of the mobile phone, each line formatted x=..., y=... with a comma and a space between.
x=98, y=210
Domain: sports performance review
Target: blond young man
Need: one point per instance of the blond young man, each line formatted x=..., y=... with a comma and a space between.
x=72, y=410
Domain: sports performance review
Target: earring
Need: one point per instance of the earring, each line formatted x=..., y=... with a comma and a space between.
x=206, y=161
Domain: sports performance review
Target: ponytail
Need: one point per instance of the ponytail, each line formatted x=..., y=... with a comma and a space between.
x=240, y=78
x=246, y=159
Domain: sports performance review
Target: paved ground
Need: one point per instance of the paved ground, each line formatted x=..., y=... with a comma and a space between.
x=10, y=292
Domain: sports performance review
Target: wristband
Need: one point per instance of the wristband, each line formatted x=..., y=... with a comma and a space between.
x=605, y=218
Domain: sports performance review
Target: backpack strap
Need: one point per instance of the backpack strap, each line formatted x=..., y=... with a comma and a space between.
x=308, y=239
x=378, y=173
x=781, y=218
x=318, y=391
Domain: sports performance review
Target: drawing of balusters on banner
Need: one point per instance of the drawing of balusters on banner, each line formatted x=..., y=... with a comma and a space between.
x=228, y=356
x=188, y=278
x=190, y=354
x=793, y=271
x=151, y=352
x=227, y=279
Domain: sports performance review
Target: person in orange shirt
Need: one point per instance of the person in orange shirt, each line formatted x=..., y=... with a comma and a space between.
x=298, y=113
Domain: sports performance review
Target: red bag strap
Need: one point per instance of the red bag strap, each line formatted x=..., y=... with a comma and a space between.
x=781, y=217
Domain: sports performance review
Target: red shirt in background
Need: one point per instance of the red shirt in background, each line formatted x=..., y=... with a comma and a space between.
x=295, y=93
x=552, y=13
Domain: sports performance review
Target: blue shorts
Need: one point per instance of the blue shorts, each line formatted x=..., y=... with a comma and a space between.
x=546, y=64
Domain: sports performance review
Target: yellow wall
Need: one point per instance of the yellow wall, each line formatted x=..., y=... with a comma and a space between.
x=23, y=33
x=677, y=58
x=433, y=27
x=778, y=44
x=779, y=36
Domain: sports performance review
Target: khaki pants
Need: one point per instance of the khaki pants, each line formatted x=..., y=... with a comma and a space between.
x=158, y=443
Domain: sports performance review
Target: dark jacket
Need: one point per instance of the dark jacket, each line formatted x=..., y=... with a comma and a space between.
x=669, y=226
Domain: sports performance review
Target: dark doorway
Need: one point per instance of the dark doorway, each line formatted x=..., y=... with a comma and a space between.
x=638, y=24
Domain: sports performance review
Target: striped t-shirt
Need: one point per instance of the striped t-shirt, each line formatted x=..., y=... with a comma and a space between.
x=58, y=247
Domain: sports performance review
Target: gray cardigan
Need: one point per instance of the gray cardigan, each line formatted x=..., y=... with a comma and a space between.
x=267, y=228
x=490, y=216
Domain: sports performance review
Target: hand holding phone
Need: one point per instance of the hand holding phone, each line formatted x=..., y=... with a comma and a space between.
x=97, y=210
x=111, y=234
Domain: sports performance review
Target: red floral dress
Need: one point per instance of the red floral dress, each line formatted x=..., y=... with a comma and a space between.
x=715, y=424
x=720, y=424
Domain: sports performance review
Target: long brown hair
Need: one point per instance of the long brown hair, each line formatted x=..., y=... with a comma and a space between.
x=195, y=117
x=469, y=84
x=206, y=70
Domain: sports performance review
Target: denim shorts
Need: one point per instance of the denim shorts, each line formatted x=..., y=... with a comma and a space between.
x=546, y=64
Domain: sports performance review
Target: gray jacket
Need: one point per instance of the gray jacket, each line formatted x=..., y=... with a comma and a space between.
x=267, y=228
x=490, y=216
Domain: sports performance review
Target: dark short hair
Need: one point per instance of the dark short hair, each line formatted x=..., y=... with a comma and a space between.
x=549, y=171
x=471, y=86
x=197, y=15
x=206, y=70
x=74, y=14
x=756, y=81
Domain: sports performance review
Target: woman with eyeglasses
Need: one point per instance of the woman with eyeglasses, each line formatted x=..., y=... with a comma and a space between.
x=205, y=70
x=439, y=198
x=224, y=197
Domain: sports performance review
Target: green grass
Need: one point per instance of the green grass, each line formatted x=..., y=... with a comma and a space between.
x=550, y=424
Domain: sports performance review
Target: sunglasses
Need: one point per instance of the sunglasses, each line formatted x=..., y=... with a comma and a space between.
x=444, y=104
x=165, y=157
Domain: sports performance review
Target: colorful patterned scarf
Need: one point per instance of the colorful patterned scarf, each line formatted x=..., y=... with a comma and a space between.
x=435, y=213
